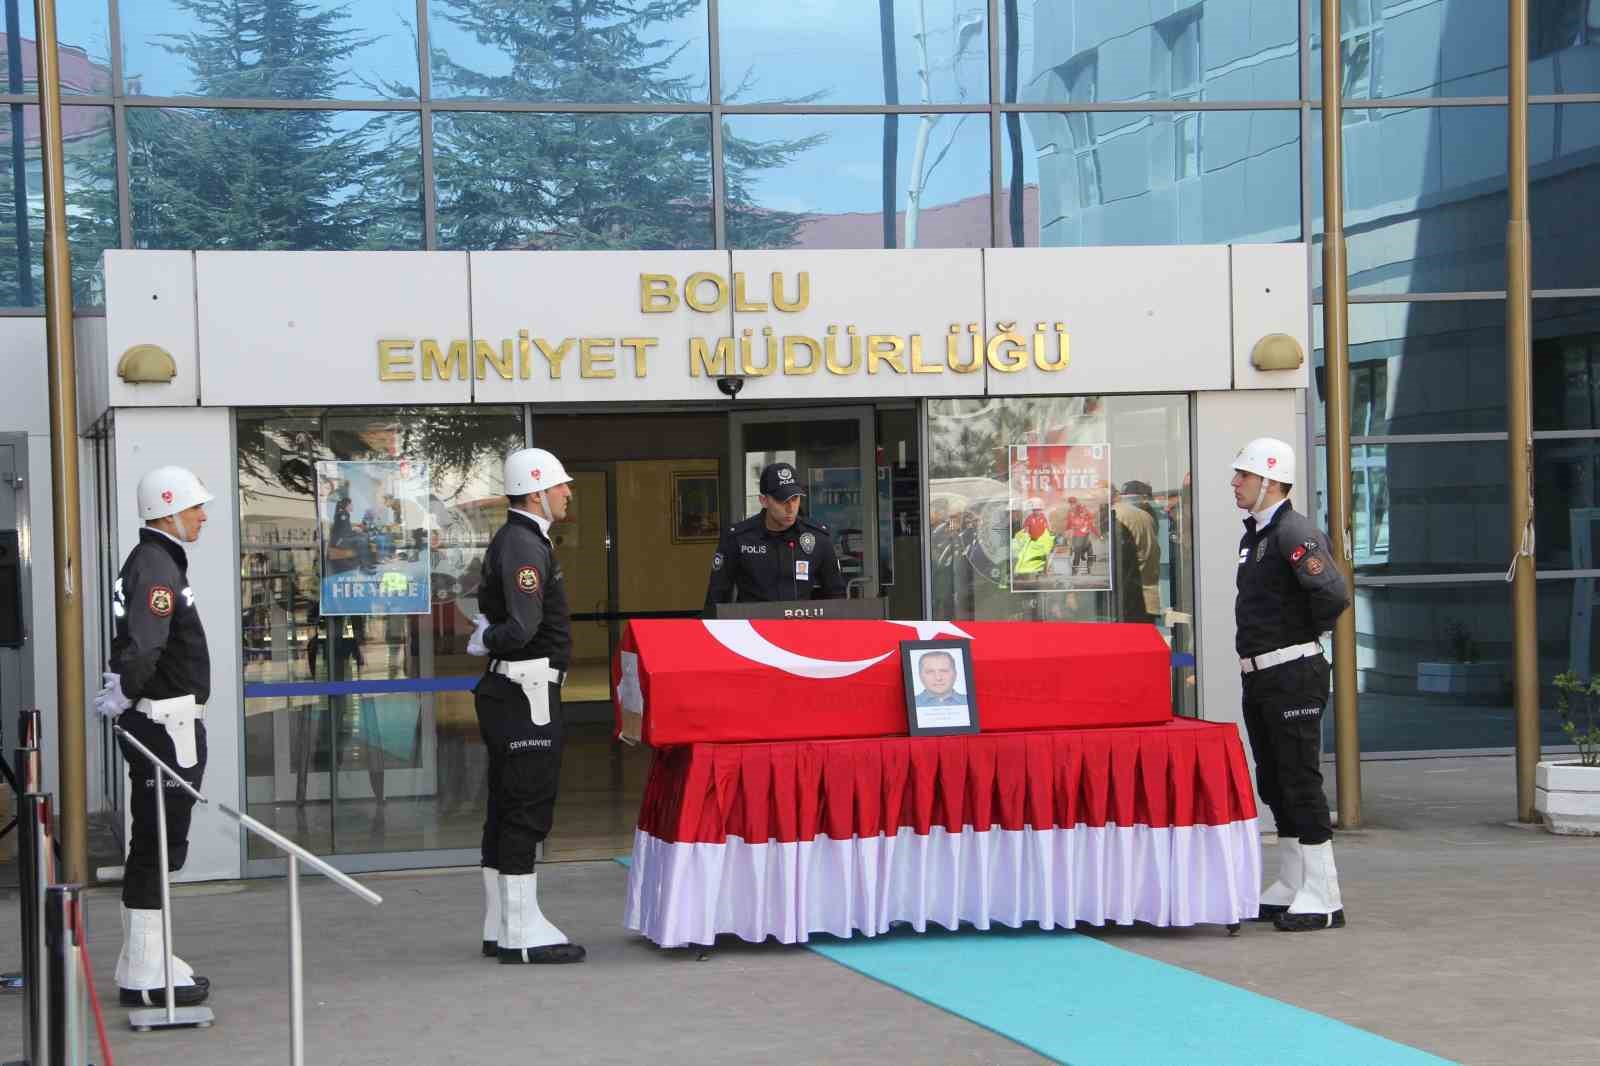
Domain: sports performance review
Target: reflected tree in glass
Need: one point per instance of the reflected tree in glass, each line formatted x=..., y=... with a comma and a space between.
x=271, y=179
x=588, y=180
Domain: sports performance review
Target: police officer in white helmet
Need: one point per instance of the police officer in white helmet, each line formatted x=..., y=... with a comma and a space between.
x=156, y=690
x=1289, y=594
x=525, y=629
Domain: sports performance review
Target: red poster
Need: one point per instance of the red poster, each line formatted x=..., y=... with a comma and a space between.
x=1061, y=517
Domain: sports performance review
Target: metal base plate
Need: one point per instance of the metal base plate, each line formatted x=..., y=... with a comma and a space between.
x=149, y=1018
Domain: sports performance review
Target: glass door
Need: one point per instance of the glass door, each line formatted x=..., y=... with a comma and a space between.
x=833, y=450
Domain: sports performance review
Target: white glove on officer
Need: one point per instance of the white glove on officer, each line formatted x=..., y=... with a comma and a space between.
x=475, y=644
x=109, y=701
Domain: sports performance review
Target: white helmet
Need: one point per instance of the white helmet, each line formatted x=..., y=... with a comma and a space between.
x=1269, y=457
x=533, y=470
x=167, y=490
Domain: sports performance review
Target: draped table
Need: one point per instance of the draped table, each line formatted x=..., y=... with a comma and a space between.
x=1153, y=824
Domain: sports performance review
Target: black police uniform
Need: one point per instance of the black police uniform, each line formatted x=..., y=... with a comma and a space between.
x=523, y=596
x=159, y=648
x=755, y=564
x=1289, y=592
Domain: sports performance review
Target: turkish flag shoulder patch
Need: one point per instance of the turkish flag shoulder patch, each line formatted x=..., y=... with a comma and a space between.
x=528, y=580
x=1298, y=554
x=160, y=601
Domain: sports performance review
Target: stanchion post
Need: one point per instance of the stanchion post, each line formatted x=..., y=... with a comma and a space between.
x=67, y=1033
x=37, y=820
x=172, y=1015
x=297, y=1041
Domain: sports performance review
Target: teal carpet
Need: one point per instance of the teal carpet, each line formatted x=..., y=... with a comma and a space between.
x=1080, y=1001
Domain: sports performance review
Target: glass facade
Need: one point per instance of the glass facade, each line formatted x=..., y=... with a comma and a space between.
x=1065, y=509
x=360, y=733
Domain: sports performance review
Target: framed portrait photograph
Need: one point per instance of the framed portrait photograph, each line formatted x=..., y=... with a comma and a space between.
x=940, y=697
x=696, y=510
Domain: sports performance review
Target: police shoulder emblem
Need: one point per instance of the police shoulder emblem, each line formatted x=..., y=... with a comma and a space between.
x=528, y=580
x=808, y=542
x=716, y=561
x=160, y=601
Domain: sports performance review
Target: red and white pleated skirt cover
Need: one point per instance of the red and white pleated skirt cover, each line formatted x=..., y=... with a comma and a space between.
x=1153, y=824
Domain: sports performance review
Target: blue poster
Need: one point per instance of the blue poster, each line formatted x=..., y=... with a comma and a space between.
x=833, y=497
x=376, y=548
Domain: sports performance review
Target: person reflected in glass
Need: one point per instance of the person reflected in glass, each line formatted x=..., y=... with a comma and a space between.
x=1139, y=554
x=1033, y=544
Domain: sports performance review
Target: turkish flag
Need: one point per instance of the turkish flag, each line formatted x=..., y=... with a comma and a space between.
x=677, y=681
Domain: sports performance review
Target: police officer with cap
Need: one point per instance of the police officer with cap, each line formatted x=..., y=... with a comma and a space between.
x=525, y=630
x=776, y=554
x=1289, y=593
x=156, y=690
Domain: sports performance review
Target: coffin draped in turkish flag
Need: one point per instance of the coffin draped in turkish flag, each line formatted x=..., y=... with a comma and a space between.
x=677, y=681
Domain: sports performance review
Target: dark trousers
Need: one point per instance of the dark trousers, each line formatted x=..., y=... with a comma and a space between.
x=524, y=768
x=1283, y=707
x=141, y=874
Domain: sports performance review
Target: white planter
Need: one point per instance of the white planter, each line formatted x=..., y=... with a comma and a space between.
x=1462, y=679
x=1567, y=797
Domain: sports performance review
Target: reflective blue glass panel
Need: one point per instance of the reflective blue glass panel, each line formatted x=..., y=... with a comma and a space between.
x=603, y=51
x=1131, y=177
x=575, y=181
x=1083, y=51
x=311, y=50
x=820, y=181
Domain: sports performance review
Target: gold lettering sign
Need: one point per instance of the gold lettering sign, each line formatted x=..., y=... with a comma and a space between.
x=842, y=350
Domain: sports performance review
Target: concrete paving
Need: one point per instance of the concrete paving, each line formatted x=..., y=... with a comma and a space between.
x=1470, y=937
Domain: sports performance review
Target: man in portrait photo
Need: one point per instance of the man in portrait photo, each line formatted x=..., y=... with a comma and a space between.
x=936, y=672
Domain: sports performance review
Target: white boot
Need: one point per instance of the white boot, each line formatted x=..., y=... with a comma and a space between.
x=1318, y=904
x=1291, y=872
x=141, y=968
x=526, y=935
x=491, y=910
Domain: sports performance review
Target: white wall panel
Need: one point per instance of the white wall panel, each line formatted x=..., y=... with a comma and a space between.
x=150, y=299
x=893, y=295
x=547, y=311
x=202, y=440
x=304, y=327
x=1139, y=319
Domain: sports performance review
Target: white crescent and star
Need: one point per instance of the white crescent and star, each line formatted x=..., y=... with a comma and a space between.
x=740, y=637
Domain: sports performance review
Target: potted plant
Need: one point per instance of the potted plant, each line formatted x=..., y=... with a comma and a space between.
x=1567, y=794
x=1462, y=672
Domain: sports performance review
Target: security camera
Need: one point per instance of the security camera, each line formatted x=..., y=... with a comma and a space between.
x=730, y=385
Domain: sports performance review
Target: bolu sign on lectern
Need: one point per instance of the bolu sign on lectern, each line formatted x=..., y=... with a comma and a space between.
x=868, y=609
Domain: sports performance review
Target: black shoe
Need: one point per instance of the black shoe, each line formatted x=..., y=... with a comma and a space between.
x=550, y=954
x=490, y=949
x=1269, y=912
x=186, y=995
x=1306, y=923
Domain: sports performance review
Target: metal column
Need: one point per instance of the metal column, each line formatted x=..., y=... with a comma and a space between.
x=70, y=727
x=1336, y=347
x=1519, y=417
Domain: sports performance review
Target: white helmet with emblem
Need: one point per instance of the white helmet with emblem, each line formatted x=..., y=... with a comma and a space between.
x=1269, y=457
x=533, y=470
x=167, y=490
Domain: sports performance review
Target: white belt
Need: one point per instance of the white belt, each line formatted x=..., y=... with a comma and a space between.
x=178, y=716
x=534, y=677
x=1279, y=656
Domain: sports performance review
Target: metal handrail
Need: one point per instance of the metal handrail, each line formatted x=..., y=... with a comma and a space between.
x=295, y=851
x=297, y=855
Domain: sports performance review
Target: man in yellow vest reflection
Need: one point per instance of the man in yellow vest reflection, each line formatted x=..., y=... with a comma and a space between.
x=1033, y=543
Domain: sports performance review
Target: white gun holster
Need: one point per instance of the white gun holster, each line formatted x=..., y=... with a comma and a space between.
x=178, y=716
